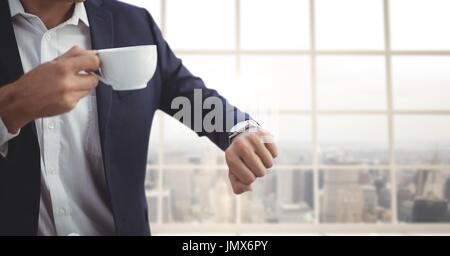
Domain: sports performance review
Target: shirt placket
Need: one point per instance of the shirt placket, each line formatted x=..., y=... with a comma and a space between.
x=51, y=140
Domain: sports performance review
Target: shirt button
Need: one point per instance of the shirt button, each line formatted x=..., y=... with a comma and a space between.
x=61, y=211
x=51, y=126
x=48, y=36
x=52, y=170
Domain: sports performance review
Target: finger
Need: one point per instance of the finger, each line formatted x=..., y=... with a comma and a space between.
x=84, y=62
x=77, y=96
x=238, y=186
x=246, y=152
x=254, y=163
x=85, y=82
x=272, y=149
x=240, y=170
x=268, y=140
x=262, y=152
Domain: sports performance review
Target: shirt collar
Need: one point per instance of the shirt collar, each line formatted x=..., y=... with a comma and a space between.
x=15, y=7
x=79, y=12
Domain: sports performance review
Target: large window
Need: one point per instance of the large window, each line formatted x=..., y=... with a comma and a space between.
x=357, y=93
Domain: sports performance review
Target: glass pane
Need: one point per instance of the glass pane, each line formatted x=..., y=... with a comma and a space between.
x=201, y=24
x=151, y=186
x=420, y=24
x=153, y=6
x=351, y=83
x=276, y=82
x=293, y=136
x=349, y=24
x=151, y=179
x=198, y=196
x=351, y=140
x=283, y=196
x=422, y=139
x=217, y=71
x=421, y=82
x=275, y=24
x=423, y=196
x=349, y=196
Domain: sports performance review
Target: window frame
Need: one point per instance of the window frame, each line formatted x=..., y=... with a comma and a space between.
x=239, y=228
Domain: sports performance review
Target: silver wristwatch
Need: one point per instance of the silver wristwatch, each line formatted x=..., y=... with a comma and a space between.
x=245, y=126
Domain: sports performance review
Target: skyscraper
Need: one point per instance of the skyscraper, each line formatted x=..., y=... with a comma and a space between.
x=343, y=197
x=447, y=190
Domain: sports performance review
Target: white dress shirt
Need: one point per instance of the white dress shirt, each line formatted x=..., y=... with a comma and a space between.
x=74, y=195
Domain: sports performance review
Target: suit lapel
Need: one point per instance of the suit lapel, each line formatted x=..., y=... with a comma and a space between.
x=10, y=64
x=101, y=24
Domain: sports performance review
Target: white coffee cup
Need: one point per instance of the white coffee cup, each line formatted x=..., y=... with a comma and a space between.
x=128, y=68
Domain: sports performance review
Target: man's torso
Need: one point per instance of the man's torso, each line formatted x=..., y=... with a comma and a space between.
x=73, y=188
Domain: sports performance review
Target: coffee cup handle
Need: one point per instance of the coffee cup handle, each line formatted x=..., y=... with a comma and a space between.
x=99, y=76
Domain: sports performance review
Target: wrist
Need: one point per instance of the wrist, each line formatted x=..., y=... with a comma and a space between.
x=14, y=112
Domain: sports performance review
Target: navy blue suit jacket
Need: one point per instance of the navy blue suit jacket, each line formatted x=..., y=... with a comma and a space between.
x=125, y=119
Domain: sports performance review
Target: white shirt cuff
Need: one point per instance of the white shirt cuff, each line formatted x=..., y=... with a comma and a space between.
x=5, y=136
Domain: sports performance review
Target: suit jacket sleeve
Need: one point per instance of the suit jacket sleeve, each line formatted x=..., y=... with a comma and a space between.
x=178, y=81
